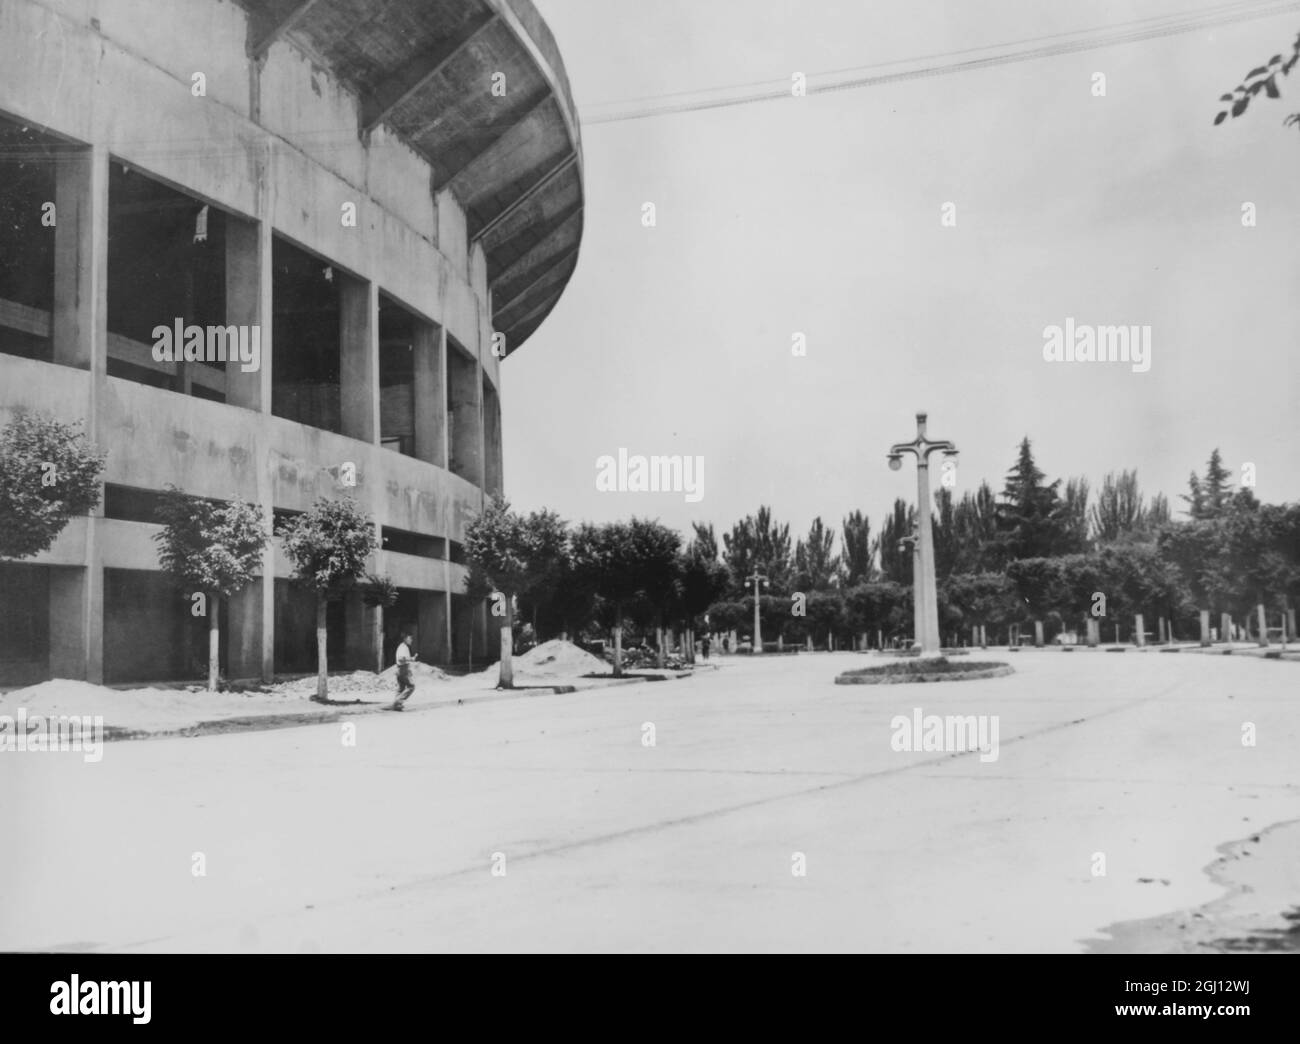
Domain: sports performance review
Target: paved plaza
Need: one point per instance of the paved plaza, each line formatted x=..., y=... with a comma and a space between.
x=771, y=813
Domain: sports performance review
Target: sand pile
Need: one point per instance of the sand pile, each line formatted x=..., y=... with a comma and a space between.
x=137, y=708
x=549, y=661
x=419, y=671
x=357, y=681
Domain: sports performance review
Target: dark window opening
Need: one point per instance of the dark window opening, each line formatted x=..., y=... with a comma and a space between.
x=305, y=380
x=396, y=377
x=28, y=182
x=166, y=266
x=404, y=542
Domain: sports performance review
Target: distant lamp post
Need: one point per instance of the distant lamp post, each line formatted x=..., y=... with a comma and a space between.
x=913, y=543
x=924, y=597
x=757, y=578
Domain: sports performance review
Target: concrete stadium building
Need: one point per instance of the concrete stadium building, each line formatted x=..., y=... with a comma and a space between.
x=388, y=193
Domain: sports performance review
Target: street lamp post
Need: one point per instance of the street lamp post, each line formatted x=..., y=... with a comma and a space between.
x=913, y=542
x=923, y=588
x=756, y=579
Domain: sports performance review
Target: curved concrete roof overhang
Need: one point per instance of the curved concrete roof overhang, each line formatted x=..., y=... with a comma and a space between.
x=425, y=68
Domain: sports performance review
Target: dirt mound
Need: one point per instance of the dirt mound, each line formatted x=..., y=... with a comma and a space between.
x=357, y=681
x=419, y=671
x=554, y=659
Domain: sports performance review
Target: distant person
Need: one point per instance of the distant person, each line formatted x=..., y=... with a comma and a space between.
x=405, y=678
x=704, y=646
x=726, y=644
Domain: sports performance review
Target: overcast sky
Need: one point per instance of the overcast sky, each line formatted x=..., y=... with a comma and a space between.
x=821, y=215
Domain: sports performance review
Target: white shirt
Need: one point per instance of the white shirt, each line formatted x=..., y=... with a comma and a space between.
x=403, y=653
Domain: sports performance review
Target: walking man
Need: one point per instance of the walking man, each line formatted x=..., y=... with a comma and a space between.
x=405, y=678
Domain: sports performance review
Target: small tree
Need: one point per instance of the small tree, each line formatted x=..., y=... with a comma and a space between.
x=328, y=547
x=212, y=550
x=499, y=543
x=48, y=476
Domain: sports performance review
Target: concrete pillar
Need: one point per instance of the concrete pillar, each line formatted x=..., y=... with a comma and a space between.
x=246, y=634
x=1263, y=625
x=431, y=636
x=68, y=621
x=248, y=300
x=431, y=393
x=492, y=475
x=1094, y=632
x=1290, y=625
x=1225, y=627
x=359, y=357
x=1038, y=634
x=358, y=635
x=808, y=643
x=1205, y=627
x=1140, y=627
x=1160, y=630
x=984, y=637
x=465, y=415
x=79, y=331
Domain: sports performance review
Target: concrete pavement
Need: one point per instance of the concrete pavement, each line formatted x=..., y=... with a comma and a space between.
x=602, y=842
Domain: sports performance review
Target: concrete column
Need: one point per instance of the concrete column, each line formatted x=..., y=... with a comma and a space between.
x=1038, y=634
x=79, y=330
x=359, y=358
x=492, y=475
x=984, y=637
x=1263, y=625
x=81, y=209
x=431, y=393
x=360, y=652
x=248, y=302
x=246, y=635
x=808, y=643
x=1205, y=627
x=1225, y=627
x=1094, y=633
x=466, y=416
x=1162, y=630
x=1290, y=625
x=68, y=621
x=433, y=635
x=1140, y=626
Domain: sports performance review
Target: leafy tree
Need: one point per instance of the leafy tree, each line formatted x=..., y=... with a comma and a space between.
x=49, y=475
x=1119, y=513
x=500, y=543
x=1261, y=78
x=815, y=564
x=1195, y=497
x=546, y=565
x=656, y=550
x=857, y=561
x=705, y=540
x=1074, y=517
x=612, y=559
x=328, y=546
x=704, y=580
x=896, y=561
x=1217, y=485
x=477, y=587
x=975, y=524
x=212, y=549
x=758, y=542
x=1030, y=512
x=882, y=606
